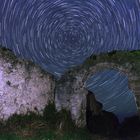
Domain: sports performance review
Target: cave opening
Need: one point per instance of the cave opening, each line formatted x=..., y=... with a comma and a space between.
x=111, y=107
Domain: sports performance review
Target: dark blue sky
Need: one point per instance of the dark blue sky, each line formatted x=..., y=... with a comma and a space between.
x=58, y=34
x=110, y=88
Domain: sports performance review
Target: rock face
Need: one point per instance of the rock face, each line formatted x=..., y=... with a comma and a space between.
x=71, y=92
x=24, y=87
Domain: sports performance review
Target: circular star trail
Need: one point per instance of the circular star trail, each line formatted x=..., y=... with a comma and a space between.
x=59, y=34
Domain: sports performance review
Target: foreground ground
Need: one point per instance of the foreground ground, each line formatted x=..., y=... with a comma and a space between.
x=39, y=131
x=33, y=127
x=51, y=126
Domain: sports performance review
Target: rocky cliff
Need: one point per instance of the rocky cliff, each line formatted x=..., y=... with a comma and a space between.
x=24, y=87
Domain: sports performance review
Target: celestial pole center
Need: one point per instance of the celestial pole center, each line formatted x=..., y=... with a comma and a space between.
x=59, y=34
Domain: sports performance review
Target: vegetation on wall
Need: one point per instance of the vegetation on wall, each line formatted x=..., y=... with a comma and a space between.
x=118, y=57
x=52, y=125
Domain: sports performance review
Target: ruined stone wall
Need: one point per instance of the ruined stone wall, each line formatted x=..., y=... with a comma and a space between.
x=135, y=86
x=24, y=87
x=71, y=92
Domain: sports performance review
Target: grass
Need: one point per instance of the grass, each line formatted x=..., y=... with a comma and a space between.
x=52, y=125
x=51, y=135
x=118, y=57
x=115, y=56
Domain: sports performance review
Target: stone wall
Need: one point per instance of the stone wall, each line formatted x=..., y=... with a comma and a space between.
x=135, y=86
x=24, y=87
x=71, y=92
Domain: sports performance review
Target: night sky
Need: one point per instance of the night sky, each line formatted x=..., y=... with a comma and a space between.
x=110, y=88
x=59, y=34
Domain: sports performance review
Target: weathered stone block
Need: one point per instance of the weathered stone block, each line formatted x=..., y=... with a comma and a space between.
x=24, y=87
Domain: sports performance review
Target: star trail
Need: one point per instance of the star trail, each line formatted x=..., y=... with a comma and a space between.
x=59, y=34
x=110, y=88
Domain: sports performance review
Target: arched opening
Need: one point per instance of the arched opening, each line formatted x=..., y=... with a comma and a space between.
x=110, y=88
x=98, y=120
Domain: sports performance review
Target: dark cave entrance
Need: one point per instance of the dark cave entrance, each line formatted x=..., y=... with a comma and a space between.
x=111, y=105
x=98, y=120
